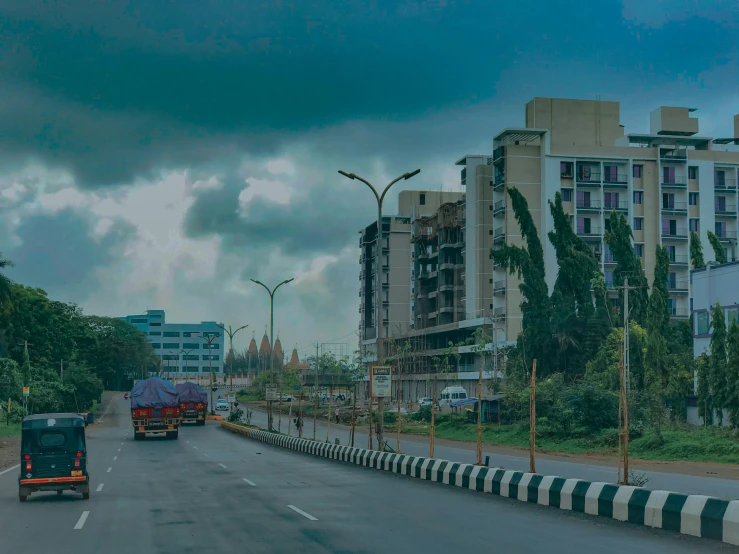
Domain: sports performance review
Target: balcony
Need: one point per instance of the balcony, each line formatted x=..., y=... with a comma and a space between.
x=424, y=274
x=727, y=236
x=446, y=309
x=385, y=284
x=446, y=265
x=723, y=209
x=674, y=208
x=591, y=179
x=725, y=184
x=678, y=287
x=499, y=288
x=422, y=295
x=499, y=181
x=679, y=260
x=432, y=315
x=433, y=294
x=620, y=180
x=669, y=155
x=591, y=231
x=498, y=153
x=618, y=205
x=499, y=234
x=587, y=205
x=499, y=313
x=609, y=258
x=677, y=182
x=499, y=208
x=679, y=313
x=446, y=288
x=675, y=234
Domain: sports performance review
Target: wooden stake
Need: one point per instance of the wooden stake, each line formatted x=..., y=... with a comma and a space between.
x=532, y=424
x=479, y=415
x=330, y=397
x=398, y=426
x=315, y=411
x=300, y=411
x=433, y=411
x=620, y=409
x=354, y=414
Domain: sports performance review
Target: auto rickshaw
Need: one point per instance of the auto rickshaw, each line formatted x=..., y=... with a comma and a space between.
x=53, y=455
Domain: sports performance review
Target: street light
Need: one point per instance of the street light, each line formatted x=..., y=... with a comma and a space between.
x=209, y=339
x=185, y=354
x=271, y=334
x=231, y=335
x=378, y=299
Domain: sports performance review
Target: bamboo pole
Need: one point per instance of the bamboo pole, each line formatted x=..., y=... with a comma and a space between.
x=354, y=415
x=315, y=410
x=433, y=411
x=620, y=409
x=330, y=397
x=398, y=422
x=300, y=411
x=369, y=434
x=479, y=415
x=532, y=423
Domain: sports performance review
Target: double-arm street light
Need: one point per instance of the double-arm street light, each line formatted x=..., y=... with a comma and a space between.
x=271, y=335
x=185, y=354
x=209, y=340
x=380, y=197
x=231, y=335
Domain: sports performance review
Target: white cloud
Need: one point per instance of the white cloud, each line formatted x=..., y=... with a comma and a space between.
x=276, y=191
x=280, y=166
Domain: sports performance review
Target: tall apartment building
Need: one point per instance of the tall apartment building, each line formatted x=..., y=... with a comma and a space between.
x=667, y=182
x=181, y=346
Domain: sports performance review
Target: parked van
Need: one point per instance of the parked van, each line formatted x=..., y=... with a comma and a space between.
x=450, y=394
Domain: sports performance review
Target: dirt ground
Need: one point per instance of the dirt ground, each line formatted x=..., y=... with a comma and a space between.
x=9, y=451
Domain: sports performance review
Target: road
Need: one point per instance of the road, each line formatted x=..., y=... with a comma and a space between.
x=419, y=446
x=213, y=491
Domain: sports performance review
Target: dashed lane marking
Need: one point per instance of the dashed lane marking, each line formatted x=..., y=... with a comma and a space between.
x=81, y=521
x=10, y=469
x=109, y=470
x=115, y=458
x=100, y=487
x=302, y=513
x=247, y=481
x=224, y=467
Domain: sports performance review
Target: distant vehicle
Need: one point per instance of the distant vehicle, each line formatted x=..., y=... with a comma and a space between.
x=284, y=397
x=125, y=396
x=450, y=394
x=425, y=402
x=53, y=455
x=193, y=402
x=222, y=405
x=155, y=408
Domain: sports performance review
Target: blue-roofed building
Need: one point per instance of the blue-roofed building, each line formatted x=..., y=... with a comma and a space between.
x=182, y=347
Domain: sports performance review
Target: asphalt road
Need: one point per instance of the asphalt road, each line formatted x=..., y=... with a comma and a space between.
x=418, y=446
x=212, y=491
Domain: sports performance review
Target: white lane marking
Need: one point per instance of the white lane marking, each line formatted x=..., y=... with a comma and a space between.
x=119, y=450
x=302, y=513
x=188, y=442
x=109, y=470
x=115, y=458
x=121, y=445
x=108, y=408
x=100, y=487
x=10, y=469
x=195, y=447
x=82, y=520
x=224, y=467
x=247, y=481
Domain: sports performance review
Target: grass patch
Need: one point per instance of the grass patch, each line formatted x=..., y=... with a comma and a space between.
x=12, y=430
x=675, y=444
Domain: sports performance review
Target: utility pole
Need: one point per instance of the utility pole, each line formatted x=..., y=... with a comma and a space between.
x=26, y=378
x=626, y=341
x=231, y=334
x=271, y=336
x=209, y=339
x=61, y=369
x=378, y=273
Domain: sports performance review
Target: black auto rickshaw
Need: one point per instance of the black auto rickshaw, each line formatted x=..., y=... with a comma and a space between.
x=53, y=455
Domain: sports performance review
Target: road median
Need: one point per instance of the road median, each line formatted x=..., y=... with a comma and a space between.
x=699, y=516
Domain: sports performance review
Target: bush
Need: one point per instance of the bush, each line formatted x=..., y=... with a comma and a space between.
x=235, y=415
x=422, y=415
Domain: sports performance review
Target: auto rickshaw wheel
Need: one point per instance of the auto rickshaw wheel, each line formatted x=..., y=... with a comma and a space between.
x=85, y=496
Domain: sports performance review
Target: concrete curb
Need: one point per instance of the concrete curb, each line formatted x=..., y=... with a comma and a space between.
x=699, y=516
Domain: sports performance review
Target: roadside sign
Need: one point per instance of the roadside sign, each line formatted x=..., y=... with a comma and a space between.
x=381, y=381
x=26, y=391
x=270, y=392
x=231, y=398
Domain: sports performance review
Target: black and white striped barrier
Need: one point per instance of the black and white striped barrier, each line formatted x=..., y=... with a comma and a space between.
x=700, y=516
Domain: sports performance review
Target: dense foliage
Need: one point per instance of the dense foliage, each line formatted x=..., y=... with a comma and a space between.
x=40, y=337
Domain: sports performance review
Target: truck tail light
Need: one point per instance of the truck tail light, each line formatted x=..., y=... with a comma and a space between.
x=76, y=463
x=28, y=467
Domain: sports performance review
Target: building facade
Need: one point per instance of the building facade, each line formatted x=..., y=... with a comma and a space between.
x=182, y=347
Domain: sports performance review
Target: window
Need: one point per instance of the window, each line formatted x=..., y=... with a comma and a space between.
x=155, y=324
x=155, y=334
x=139, y=321
x=638, y=197
x=422, y=199
x=608, y=224
x=565, y=169
x=701, y=323
x=155, y=316
x=609, y=279
x=171, y=345
x=610, y=173
x=719, y=203
x=668, y=201
x=208, y=334
x=639, y=250
x=156, y=345
x=638, y=223
x=693, y=198
x=190, y=345
x=212, y=358
x=217, y=346
x=171, y=333
x=719, y=178
x=694, y=225
x=732, y=314
x=566, y=195
x=186, y=333
x=672, y=252
x=693, y=172
x=669, y=227
x=611, y=200
x=637, y=171
x=583, y=225
x=668, y=175
x=672, y=306
x=720, y=229
x=52, y=439
x=190, y=357
x=583, y=199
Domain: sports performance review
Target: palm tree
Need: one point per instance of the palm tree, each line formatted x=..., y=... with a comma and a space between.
x=5, y=283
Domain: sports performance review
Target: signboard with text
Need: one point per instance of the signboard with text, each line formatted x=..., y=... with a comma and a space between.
x=380, y=380
x=26, y=391
x=270, y=392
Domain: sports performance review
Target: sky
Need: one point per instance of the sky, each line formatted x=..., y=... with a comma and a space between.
x=159, y=155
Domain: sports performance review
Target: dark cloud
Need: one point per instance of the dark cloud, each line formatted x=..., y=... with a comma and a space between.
x=59, y=253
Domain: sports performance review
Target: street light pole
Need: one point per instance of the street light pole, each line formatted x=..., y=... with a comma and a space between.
x=380, y=197
x=209, y=339
x=271, y=336
x=231, y=335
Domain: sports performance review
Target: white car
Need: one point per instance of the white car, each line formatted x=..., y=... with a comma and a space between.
x=425, y=402
x=221, y=405
x=284, y=397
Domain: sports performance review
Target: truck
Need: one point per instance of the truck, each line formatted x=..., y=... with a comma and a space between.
x=193, y=402
x=155, y=408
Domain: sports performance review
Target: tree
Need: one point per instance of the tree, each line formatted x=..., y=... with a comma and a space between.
x=6, y=285
x=658, y=322
x=11, y=380
x=718, y=250
x=696, y=251
x=527, y=262
x=732, y=373
x=619, y=240
x=703, y=368
x=717, y=374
